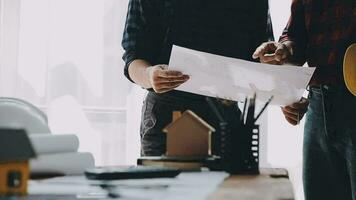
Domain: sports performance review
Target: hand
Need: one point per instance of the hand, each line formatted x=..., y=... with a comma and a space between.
x=295, y=112
x=272, y=53
x=163, y=80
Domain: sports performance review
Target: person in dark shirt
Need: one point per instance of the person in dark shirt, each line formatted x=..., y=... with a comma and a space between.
x=231, y=28
x=319, y=32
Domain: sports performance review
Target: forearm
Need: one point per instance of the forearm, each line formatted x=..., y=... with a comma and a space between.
x=295, y=35
x=157, y=77
x=138, y=73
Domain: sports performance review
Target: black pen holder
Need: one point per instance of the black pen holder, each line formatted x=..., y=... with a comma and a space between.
x=239, y=149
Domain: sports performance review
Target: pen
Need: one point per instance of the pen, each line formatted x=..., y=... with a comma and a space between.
x=251, y=111
x=264, y=108
x=242, y=118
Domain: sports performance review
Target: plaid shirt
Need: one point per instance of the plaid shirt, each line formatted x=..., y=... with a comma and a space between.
x=146, y=30
x=322, y=31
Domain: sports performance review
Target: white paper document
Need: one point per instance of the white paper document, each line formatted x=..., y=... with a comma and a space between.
x=234, y=79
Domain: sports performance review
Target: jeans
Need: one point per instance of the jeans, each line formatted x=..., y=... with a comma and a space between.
x=329, y=163
x=157, y=114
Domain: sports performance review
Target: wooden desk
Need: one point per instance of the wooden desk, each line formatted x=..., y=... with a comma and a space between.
x=260, y=187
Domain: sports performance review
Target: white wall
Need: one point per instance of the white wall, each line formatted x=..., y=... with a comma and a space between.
x=284, y=141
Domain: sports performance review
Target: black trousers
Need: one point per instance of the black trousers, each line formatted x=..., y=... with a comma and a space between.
x=157, y=113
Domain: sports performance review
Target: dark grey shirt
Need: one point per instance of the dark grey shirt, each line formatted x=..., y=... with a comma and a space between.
x=146, y=29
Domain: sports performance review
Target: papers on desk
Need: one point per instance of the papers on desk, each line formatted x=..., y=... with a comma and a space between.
x=197, y=186
x=64, y=163
x=234, y=79
x=48, y=143
x=58, y=155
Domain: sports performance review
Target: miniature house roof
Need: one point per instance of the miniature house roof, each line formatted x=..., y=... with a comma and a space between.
x=194, y=117
x=15, y=146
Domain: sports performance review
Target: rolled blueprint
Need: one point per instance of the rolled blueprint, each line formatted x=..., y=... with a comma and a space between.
x=65, y=164
x=53, y=144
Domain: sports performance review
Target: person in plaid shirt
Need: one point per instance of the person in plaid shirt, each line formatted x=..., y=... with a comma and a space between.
x=225, y=27
x=319, y=32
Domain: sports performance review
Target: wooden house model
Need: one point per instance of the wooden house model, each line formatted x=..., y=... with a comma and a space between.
x=15, y=152
x=188, y=136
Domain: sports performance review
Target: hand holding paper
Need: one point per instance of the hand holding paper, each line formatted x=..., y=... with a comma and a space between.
x=272, y=53
x=294, y=113
x=230, y=78
x=163, y=80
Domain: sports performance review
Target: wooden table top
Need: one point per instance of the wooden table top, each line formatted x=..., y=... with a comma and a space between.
x=271, y=184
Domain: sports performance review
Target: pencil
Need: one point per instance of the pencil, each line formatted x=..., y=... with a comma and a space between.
x=264, y=108
x=242, y=118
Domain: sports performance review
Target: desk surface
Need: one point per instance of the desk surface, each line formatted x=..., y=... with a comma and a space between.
x=260, y=187
x=187, y=186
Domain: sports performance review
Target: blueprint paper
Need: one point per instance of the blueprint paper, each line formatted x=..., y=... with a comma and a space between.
x=234, y=79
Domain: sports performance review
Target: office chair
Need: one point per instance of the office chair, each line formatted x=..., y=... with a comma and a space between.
x=17, y=113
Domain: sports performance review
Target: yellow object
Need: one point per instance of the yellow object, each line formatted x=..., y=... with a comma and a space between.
x=350, y=68
x=14, y=177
